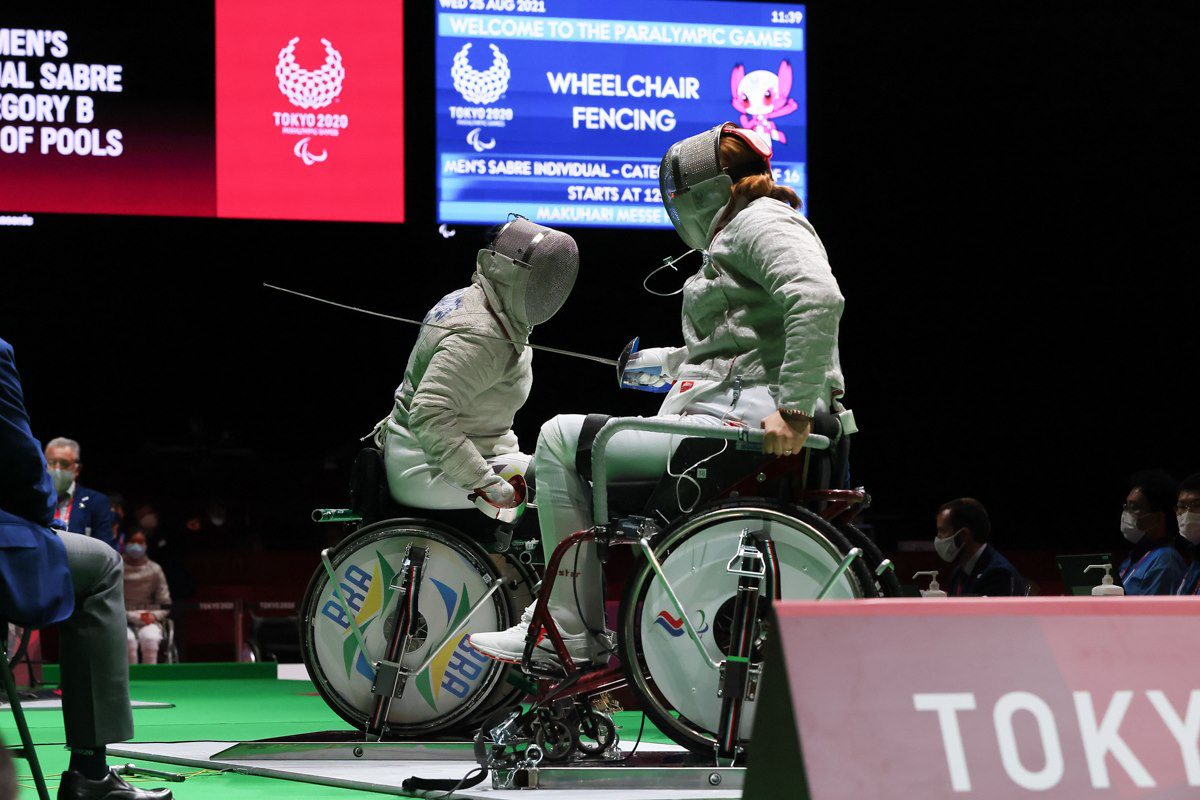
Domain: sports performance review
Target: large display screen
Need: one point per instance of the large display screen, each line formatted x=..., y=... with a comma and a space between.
x=281, y=109
x=560, y=110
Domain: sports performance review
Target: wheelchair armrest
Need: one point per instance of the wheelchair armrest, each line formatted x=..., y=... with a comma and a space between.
x=746, y=437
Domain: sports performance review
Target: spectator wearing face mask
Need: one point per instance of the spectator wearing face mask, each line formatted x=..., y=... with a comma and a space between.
x=1153, y=566
x=977, y=569
x=1187, y=517
x=147, y=598
x=78, y=510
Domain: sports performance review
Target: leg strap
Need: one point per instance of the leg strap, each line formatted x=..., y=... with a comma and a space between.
x=592, y=424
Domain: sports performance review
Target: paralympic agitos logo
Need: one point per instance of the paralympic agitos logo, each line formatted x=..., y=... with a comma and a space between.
x=311, y=90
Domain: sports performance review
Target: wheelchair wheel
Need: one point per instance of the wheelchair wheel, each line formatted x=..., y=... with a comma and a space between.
x=887, y=584
x=458, y=684
x=676, y=687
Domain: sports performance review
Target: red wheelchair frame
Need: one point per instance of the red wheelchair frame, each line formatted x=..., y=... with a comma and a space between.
x=833, y=505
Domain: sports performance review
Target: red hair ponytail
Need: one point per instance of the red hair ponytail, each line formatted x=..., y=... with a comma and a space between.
x=762, y=184
x=751, y=178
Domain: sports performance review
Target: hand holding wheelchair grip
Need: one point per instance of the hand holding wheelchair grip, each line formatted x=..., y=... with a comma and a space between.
x=754, y=442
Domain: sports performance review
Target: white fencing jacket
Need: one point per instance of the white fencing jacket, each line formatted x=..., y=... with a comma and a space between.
x=461, y=392
x=765, y=307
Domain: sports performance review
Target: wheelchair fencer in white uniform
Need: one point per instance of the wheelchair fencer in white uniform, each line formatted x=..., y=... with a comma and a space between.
x=447, y=448
x=760, y=326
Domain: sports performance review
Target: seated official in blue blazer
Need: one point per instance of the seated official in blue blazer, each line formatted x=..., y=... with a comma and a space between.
x=964, y=533
x=35, y=585
x=79, y=510
x=48, y=577
x=1154, y=566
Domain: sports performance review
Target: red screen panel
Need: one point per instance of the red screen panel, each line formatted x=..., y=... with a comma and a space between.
x=310, y=110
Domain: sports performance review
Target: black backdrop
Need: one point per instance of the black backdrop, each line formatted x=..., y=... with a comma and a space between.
x=1007, y=193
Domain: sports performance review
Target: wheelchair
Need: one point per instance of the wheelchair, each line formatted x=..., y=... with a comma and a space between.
x=715, y=549
x=385, y=618
x=168, y=648
x=694, y=618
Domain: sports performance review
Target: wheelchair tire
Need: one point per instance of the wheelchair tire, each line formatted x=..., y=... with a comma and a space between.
x=459, y=685
x=675, y=687
x=887, y=583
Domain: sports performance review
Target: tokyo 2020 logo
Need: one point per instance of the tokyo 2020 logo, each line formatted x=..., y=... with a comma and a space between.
x=310, y=88
x=480, y=86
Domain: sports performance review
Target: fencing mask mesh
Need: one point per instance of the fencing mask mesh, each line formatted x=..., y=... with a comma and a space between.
x=546, y=264
x=694, y=187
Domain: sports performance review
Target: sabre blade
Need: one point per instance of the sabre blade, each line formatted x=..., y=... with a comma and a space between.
x=607, y=361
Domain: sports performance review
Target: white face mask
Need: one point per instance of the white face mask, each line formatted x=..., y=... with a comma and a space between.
x=1129, y=527
x=948, y=547
x=1189, y=526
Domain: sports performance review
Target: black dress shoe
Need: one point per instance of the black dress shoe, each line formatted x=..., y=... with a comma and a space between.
x=75, y=786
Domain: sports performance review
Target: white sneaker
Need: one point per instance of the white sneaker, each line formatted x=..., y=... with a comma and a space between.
x=509, y=645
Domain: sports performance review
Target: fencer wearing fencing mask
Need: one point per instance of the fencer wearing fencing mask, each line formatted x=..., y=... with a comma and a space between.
x=696, y=187
x=450, y=430
x=760, y=326
x=765, y=305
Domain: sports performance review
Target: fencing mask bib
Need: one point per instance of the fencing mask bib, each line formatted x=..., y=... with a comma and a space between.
x=695, y=187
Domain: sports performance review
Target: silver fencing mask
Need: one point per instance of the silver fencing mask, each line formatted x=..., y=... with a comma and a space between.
x=532, y=268
x=695, y=187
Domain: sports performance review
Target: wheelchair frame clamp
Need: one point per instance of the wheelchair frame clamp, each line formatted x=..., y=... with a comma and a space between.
x=747, y=551
x=390, y=677
x=753, y=676
x=737, y=751
x=387, y=679
x=734, y=682
x=885, y=566
x=502, y=733
x=633, y=528
x=752, y=679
